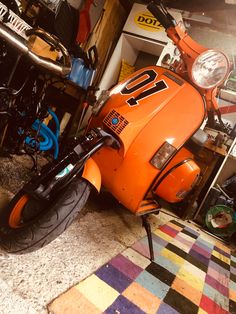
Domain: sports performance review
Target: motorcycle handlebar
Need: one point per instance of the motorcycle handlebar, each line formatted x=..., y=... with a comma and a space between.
x=17, y=42
x=165, y=21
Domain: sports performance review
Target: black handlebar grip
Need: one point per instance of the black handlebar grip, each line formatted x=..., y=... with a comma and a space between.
x=159, y=15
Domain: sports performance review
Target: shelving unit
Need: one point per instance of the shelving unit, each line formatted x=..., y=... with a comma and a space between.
x=138, y=36
x=227, y=168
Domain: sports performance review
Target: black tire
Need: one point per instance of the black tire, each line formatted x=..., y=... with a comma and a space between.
x=48, y=225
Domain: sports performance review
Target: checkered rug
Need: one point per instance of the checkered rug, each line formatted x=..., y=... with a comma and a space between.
x=192, y=273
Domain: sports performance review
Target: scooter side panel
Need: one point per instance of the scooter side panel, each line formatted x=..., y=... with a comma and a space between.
x=171, y=114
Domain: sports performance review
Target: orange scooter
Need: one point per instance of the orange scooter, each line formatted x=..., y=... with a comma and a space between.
x=135, y=146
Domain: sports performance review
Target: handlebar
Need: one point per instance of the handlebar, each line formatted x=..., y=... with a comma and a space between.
x=163, y=18
x=20, y=44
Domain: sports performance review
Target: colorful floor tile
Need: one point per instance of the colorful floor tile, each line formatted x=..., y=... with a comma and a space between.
x=192, y=273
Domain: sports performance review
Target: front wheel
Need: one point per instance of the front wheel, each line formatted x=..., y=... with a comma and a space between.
x=28, y=224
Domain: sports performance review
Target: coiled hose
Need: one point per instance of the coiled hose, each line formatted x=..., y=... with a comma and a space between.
x=49, y=139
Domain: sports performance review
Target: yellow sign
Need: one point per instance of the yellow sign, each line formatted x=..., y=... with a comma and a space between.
x=148, y=22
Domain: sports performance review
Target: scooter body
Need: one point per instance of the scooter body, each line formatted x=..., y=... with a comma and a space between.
x=152, y=107
x=135, y=146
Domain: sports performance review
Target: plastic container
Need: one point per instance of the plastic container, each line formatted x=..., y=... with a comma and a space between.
x=221, y=220
x=80, y=74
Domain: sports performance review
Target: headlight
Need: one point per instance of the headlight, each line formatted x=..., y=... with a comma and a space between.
x=210, y=69
x=102, y=99
x=163, y=154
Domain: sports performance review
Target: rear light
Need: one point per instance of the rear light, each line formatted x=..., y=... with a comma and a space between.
x=164, y=153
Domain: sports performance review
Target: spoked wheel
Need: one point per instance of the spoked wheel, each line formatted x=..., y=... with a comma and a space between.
x=28, y=224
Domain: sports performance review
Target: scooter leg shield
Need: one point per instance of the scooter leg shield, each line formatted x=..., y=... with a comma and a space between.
x=92, y=174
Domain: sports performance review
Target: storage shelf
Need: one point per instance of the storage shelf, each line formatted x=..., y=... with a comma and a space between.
x=227, y=169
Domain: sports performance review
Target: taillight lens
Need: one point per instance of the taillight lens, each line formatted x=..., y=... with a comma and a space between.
x=164, y=153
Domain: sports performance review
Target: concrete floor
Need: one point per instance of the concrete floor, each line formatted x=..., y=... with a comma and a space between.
x=28, y=283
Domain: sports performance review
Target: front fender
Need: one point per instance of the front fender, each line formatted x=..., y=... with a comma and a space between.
x=92, y=174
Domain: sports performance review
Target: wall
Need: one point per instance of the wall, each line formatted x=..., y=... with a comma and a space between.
x=214, y=39
x=107, y=31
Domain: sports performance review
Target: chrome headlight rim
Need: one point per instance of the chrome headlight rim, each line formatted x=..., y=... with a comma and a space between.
x=219, y=81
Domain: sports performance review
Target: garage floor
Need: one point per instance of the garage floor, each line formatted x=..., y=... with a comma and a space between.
x=29, y=282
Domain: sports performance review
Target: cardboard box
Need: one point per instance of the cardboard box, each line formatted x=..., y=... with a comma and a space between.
x=41, y=48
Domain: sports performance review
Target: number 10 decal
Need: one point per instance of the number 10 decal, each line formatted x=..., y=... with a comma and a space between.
x=149, y=76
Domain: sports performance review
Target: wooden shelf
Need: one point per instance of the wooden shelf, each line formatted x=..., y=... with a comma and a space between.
x=216, y=149
x=227, y=168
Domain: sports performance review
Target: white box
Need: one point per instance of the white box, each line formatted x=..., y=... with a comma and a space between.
x=138, y=36
x=141, y=22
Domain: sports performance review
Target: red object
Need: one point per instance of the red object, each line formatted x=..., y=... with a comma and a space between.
x=84, y=23
x=228, y=109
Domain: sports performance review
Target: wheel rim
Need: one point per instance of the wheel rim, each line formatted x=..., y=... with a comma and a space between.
x=16, y=213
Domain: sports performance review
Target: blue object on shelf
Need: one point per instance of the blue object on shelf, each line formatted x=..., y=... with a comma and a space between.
x=80, y=74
